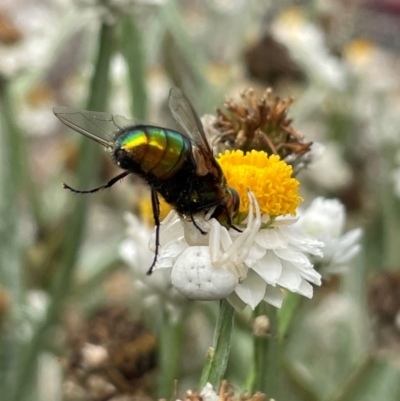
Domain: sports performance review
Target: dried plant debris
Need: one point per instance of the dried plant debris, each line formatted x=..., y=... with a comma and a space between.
x=270, y=61
x=384, y=304
x=259, y=124
x=384, y=295
x=113, y=355
x=225, y=393
x=5, y=305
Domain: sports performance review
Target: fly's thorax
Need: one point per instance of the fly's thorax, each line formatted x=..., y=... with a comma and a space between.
x=149, y=150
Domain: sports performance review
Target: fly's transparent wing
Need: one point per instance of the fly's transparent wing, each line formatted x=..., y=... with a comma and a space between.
x=183, y=112
x=98, y=126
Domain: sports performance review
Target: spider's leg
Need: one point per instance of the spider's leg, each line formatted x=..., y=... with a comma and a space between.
x=256, y=224
x=240, y=247
x=219, y=237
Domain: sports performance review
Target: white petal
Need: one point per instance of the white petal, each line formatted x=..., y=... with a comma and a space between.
x=311, y=275
x=271, y=239
x=305, y=289
x=252, y=290
x=342, y=256
x=303, y=241
x=269, y=268
x=283, y=221
x=274, y=296
x=350, y=237
x=256, y=252
x=169, y=232
x=168, y=254
x=236, y=302
x=164, y=263
x=294, y=257
x=173, y=249
x=290, y=277
x=194, y=276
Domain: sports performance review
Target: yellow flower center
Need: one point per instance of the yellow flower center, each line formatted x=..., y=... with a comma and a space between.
x=146, y=209
x=269, y=178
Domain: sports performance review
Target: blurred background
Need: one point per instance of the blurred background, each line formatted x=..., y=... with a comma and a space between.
x=79, y=320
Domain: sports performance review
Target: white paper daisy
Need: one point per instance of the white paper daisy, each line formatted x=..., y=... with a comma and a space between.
x=270, y=254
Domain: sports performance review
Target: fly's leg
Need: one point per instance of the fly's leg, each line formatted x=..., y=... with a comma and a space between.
x=156, y=215
x=108, y=185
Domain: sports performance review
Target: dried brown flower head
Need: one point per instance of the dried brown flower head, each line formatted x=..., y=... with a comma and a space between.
x=9, y=33
x=112, y=355
x=259, y=124
x=384, y=295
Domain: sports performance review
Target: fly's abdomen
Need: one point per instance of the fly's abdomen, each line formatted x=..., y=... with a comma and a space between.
x=157, y=151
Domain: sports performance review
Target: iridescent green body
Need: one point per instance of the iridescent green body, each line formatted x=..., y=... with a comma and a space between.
x=153, y=150
x=165, y=159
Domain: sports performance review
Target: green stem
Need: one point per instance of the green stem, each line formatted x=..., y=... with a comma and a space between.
x=10, y=182
x=182, y=61
x=267, y=354
x=133, y=52
x=88, y=165
x=299, y=381
x=10, y=243
x=171, y=338
x=217, y=358
x=287, y=313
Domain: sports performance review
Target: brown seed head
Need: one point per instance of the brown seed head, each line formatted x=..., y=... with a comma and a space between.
x=259, y=124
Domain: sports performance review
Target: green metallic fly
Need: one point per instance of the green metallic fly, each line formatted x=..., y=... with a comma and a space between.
x=178, y=166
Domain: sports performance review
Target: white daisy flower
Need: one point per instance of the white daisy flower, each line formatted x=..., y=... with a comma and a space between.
x=270, y=254
x=325, y=219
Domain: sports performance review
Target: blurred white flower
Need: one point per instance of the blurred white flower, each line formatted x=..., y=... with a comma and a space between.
x=372, y=65
x=396, y=181
x=155, y=289
x=325, y=219
x=35, y=23
x=246, y=267
x=330, y=172
x=305, y=43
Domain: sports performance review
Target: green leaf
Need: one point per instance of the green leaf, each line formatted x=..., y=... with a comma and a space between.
x=133, y=52
x=375, y=379
x=89, y=157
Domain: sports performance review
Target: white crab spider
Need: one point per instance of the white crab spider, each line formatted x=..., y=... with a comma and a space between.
x=212, y=269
